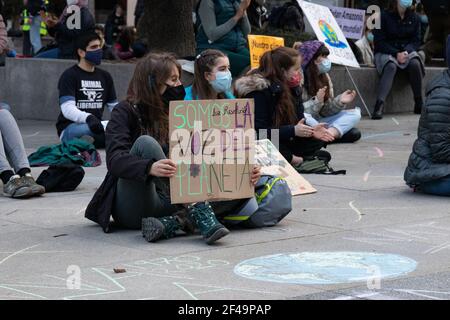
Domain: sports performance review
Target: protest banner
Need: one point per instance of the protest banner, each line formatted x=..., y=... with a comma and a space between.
x=273, y=163
x=213, y=144
x=351, y=21
x=261, y=44
x=327, y=30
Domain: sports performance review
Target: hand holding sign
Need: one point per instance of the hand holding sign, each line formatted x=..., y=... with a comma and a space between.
x=165, y=168
x=256, y=174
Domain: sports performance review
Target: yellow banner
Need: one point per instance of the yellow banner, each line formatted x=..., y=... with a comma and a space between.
x=261, y=44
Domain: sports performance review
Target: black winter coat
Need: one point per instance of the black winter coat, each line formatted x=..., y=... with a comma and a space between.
x=430, y=159
x=122, y=131
x=397, y=35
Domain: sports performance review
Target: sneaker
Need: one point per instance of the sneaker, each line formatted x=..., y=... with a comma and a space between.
x=16, y=188
x=37, y=189
x=205, y=219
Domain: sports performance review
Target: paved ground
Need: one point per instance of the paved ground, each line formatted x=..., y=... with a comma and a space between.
x=45, y=242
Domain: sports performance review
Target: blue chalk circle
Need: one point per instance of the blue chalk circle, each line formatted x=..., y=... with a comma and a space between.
x=325, y=267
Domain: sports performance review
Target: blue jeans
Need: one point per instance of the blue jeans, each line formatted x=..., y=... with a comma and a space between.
x=439, y=187
x=4, y=106
x=35, y=34
x=49, y=54
x=75, y=131
x=343, y=122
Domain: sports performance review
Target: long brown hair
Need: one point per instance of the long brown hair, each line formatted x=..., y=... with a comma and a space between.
x=315, y=81
x=273, y=65
x=205, y=62
x=149, y=77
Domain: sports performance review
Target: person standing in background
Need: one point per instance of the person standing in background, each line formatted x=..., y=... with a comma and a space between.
x=438, y=12
x=114, y=25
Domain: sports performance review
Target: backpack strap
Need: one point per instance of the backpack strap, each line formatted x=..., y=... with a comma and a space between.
x=267, y=188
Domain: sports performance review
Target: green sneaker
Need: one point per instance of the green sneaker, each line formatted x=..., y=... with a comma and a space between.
x=36, y=189
x=154, y=229
x=16, y=188
x=210, y=228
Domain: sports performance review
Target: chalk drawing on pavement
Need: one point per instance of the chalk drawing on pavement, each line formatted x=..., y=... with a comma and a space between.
x=324, y=267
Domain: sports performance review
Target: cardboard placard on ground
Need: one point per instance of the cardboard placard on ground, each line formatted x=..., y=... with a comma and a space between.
x=327, y=30
x=273, y=163
x=213, y=144
x=351, y=21
x=261, y=44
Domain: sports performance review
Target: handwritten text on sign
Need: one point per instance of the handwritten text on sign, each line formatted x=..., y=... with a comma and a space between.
x=261, y=44
x=212, y=143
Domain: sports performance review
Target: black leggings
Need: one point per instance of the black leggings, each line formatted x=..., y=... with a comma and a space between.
x=414, y=70
x=300, y=147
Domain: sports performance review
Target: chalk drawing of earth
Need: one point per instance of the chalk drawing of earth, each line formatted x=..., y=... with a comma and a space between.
x=325, y=267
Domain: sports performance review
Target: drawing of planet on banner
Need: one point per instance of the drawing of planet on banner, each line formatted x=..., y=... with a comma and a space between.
x=331, y=35
x=325, y=267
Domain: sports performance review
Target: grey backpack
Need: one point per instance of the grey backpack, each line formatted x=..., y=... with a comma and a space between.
x=274, y=202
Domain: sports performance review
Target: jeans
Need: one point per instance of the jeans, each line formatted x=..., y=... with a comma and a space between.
x=343, y=122
x=439, y=187
x=78, y=130
x=49, y=54
x=12, y=149
x=35, y=34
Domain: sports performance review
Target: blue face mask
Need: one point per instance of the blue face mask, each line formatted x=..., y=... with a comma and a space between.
x=370, y=37
x=405, y=3
x=324, y=66
x=424, y=19
x=223, y=82
x=94, y=57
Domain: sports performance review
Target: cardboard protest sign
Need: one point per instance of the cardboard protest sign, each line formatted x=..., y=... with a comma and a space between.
x=273, y=163
x=213, y=144
x=261, y=44
x=327, y=30
x=351, y=21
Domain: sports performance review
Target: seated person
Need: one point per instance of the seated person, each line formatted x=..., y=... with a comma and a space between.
x=428, y=168
x=108, y=53
x=84, y=90
x=318, y=95
x=18, y=183
x=124, y=46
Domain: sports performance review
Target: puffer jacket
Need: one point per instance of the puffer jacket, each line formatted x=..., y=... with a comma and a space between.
x=430, y=159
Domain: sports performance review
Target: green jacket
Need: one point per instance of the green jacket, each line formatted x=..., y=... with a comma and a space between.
x=75, y=151
x=225, y=34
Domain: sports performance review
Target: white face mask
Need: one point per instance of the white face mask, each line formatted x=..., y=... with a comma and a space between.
x=72, y=2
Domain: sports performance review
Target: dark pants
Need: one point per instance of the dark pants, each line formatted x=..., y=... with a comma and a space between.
x=415, y=76
x=300, y=147
x=439, y=31
x=136, y=200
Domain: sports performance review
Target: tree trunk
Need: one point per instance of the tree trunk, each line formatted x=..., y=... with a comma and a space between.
x=167, y=26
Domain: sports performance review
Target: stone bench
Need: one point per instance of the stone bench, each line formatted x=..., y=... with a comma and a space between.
x=30, y=86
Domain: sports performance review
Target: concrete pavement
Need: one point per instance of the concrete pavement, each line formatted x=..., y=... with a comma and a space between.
x=46, y=244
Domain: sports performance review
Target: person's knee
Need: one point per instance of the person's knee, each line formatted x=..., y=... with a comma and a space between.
x=390, y=67
x=146, y=145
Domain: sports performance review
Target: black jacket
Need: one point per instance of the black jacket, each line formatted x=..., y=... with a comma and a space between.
x=122, y=131
x=396, y=35
x=430, y=159
x=267, y=96
x=66, y=38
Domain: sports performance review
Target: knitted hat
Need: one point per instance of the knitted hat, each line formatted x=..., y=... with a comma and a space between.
x=308, y=49
x=448, y=51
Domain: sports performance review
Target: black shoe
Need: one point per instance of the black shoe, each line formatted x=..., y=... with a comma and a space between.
x=378, y=110
x=350, y=137
x=418, y=105
x=322, y=155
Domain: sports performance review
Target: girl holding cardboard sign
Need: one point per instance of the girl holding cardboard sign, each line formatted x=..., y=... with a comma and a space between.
x=135, y=191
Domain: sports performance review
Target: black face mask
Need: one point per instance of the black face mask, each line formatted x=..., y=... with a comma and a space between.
x=174, y=94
